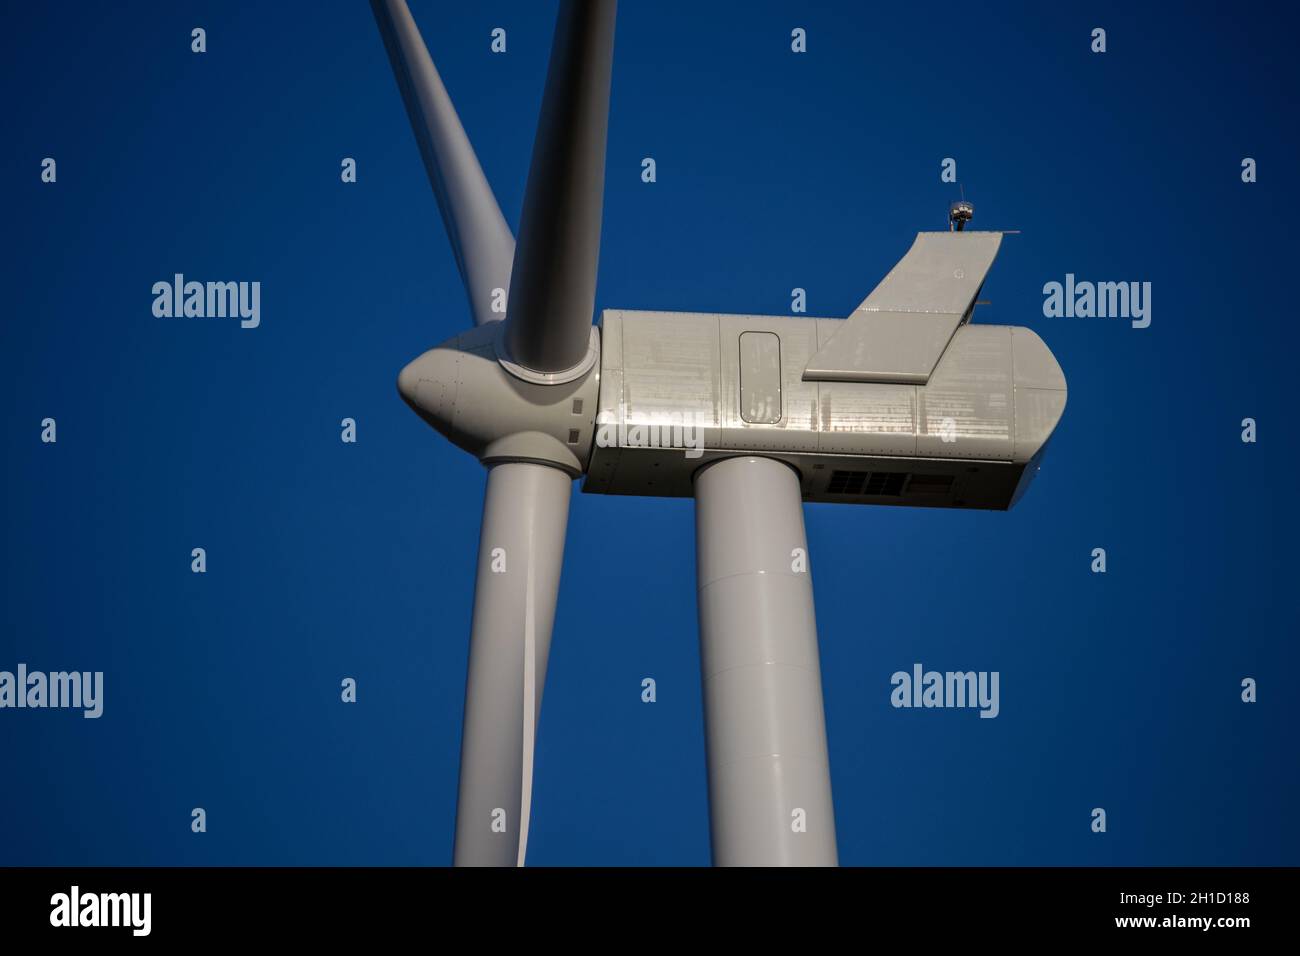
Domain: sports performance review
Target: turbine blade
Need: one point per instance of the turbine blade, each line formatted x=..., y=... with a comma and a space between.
x=480, y=237
x=521, y=550
x=553, y=286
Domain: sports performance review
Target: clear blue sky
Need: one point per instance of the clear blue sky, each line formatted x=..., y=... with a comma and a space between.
x=775, y=170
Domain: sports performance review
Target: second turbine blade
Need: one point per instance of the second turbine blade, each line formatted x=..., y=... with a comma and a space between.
x=480, y=237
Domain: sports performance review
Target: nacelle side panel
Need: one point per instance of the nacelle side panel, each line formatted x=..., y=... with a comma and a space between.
x=673, y=387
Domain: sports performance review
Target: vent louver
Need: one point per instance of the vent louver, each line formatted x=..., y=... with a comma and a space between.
x=875, y=483
x=930, y=485
x=887, y=484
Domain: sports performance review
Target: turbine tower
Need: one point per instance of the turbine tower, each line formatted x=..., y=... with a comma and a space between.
x=904, y=402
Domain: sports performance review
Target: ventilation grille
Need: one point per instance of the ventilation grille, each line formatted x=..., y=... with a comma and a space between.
x=930, y=485
x=876, y=483
x=887, y=484
x=846, y=482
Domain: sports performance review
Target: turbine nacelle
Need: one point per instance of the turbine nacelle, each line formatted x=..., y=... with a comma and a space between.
x=960, y=424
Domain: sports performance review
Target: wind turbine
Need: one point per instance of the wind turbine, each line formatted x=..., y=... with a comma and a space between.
x=904, y=402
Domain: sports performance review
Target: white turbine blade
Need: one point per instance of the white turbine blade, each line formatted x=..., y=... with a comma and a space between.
x=532, y=693
x=553, y=286
x=521, y=550
x=480, y=237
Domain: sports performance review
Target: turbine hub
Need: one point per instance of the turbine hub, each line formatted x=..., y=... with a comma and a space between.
x=462, y=390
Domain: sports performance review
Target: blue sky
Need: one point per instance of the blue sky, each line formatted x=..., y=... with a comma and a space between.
x=775, y=171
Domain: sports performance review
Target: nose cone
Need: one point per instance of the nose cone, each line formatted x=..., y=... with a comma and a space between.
x=408, y=382
x=428, y=385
